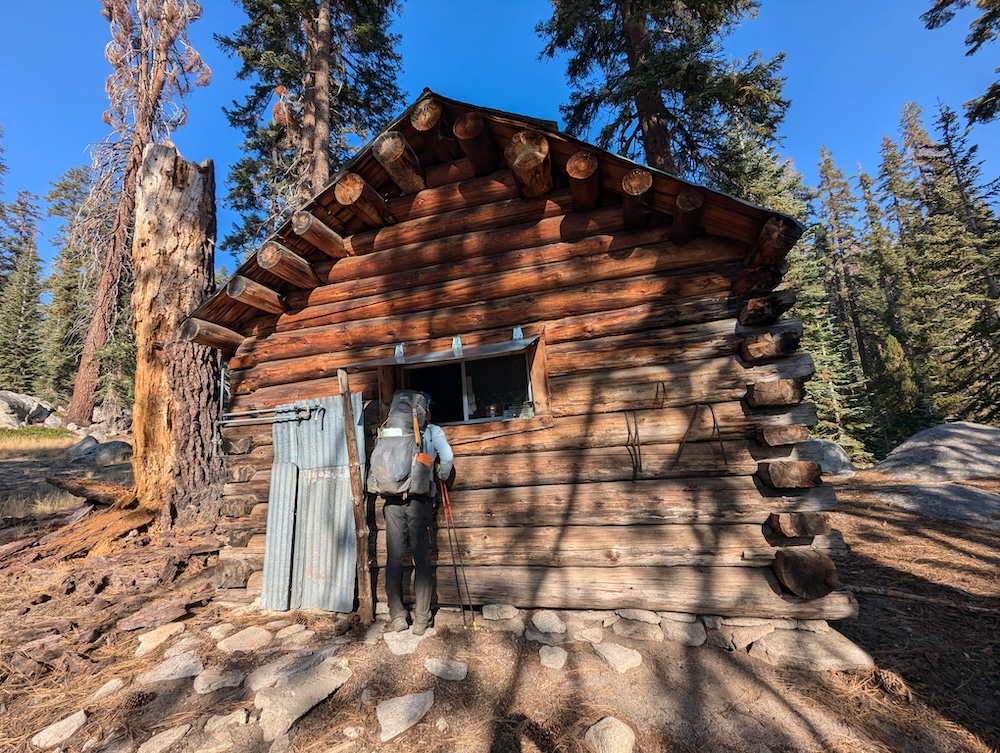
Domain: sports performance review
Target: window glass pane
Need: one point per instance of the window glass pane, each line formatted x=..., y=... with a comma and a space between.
x=498, y=387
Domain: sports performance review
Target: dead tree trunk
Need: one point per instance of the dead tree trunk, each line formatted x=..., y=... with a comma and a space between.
x=176, y=396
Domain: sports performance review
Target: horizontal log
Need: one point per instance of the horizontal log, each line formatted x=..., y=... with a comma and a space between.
x=235, y=566
x=626, y=503
x=323, y=237
x=730, y=420
x=396, y=157
x=495, y=216
x=667, y=384
x=793, y=524
x=464, y=194
x=584, y=180
x=575, y=546
x=775, y=393
x=445, y=321
x=252, y=293
x=210, y=334
x=429, y=118
x=768, y=308
x=476, y=142
x=465, y=243
x=724, y=591
x=549, y=268
x=527, y=155
x=287, y=265
x=807, y=573
x=790, y=474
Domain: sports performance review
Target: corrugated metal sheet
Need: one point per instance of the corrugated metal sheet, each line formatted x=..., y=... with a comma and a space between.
x=311, y=552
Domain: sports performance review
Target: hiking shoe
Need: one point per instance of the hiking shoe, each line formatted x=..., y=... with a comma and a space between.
x=419, y=629
x=398, y=625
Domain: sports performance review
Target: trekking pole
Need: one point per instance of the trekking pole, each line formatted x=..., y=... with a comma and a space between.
x=446, y=507
x=450, y=519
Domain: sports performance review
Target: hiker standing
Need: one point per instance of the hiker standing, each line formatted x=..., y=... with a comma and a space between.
x=409, y=514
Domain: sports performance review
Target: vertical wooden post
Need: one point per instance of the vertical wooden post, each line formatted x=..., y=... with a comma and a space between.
x=366, y=604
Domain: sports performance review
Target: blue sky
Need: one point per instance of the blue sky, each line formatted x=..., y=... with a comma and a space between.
x=850, y=66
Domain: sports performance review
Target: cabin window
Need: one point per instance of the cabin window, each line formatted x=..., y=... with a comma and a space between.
x=496, y=388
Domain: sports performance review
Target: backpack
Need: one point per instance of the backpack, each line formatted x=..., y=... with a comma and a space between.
x=399, y=466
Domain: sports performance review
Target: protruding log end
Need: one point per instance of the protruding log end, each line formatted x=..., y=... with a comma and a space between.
x=782, y=436
x=254, y=294
x=429, y=118
x=211, y=334
x=776, y=239
x=790, y=474
x=807, y=573
x=477, y=143
x=584, y=180
x=326, y=239
x=636, y=186
x=798, y=524
x=527, y=155
x=287, y=265
x=351, y=190
x=768, y=345
x=766, y=309
x=776, y=392
x=758, y=280
x=687, y=215
x=397, y=158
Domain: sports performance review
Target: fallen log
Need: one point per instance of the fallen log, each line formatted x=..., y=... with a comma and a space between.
x=98, y=492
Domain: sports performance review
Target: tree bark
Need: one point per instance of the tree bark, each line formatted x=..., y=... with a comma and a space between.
x=176, y=399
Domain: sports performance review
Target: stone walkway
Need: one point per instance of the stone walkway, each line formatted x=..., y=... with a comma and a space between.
x=285, y=670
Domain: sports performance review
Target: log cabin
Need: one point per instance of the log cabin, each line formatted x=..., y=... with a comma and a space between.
x=604, y=347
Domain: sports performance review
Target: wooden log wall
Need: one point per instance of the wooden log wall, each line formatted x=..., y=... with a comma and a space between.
x=674, y=432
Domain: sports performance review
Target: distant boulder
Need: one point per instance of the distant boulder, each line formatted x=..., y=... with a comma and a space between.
x=89, y=450
x=948, y=452
x=832, y=458
x=18, y=411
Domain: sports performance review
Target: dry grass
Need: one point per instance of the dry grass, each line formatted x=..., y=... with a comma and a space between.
x=34, y=439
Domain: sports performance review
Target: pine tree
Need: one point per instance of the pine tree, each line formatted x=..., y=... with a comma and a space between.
x=6, y=261
x=654, y=72
x=20, y=307
x=756, y=173
x=983, y=30
x=153, y=68
x=330, y=68
x=69, y=307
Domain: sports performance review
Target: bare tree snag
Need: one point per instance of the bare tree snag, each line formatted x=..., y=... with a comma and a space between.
x=211, y=334
x=477, y=143
x=176, y=395
x=796, y=524
x=428, y=117
x=326, y=239
x=807, y=573
x=790, y=474
x=687, y=214
x=767, y=309
x=584, y=180
x=254, y=294
x=397, y=158
x=776, y=239
x=765, y=345
x=636, y=188
x=351, y=190
x=287, y=265
x=776, y=392
x=366, y=604
x=780, y=436
x=527, y=155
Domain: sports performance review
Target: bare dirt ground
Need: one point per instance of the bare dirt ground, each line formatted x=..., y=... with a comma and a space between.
x=929, y=593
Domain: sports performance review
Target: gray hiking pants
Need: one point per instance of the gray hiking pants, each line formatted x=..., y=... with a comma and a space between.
x=410, y=522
